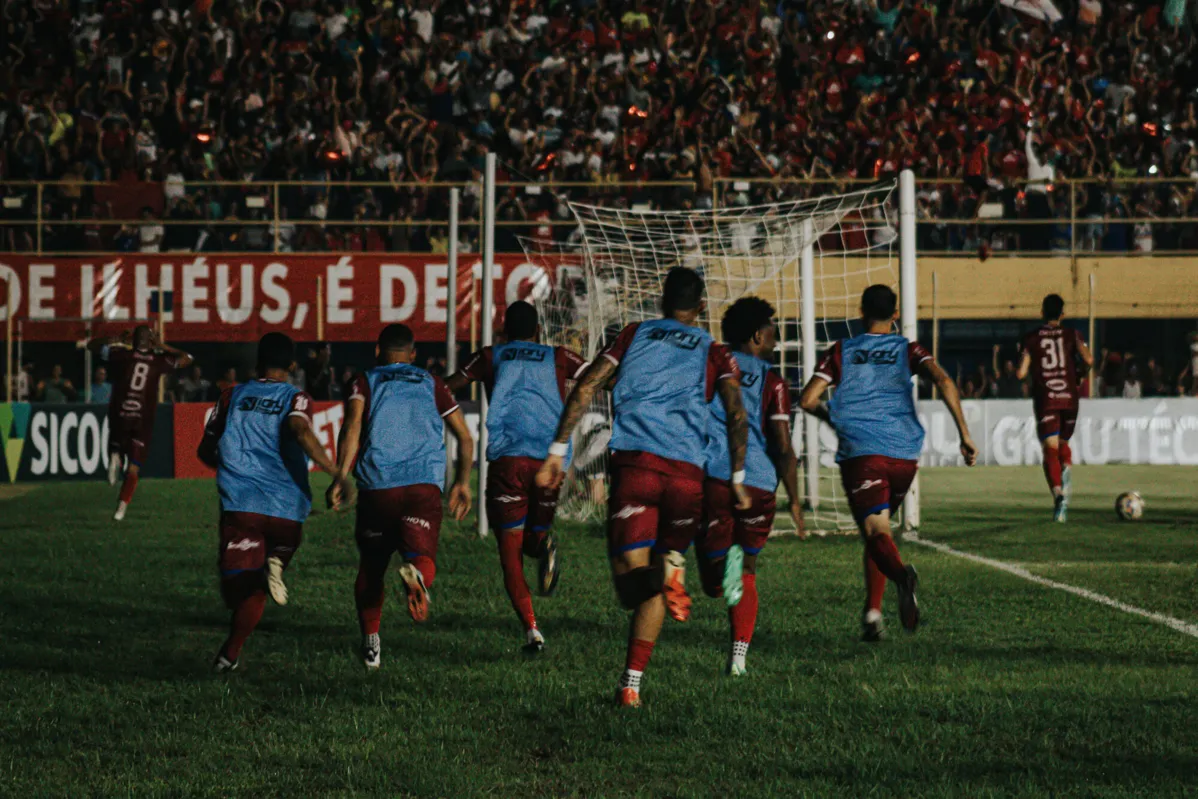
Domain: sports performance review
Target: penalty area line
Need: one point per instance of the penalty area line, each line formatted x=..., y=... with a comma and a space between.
x=1183, y=627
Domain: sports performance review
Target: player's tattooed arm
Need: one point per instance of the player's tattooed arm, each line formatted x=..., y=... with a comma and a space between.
x=459, y=493
x=737, y=421
x=457, y=381
x=952, y=400
x=812, y=400
x=182, y=359
x=596, y=376
x=1084, y=351
x=348, y=441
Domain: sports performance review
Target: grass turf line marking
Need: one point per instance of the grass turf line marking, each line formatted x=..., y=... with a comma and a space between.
x=1183, y=627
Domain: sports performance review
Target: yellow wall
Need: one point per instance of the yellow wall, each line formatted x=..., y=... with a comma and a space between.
x=1004, y=288
x=999, y=288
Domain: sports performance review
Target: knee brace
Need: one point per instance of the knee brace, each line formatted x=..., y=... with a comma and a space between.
x=638, y=585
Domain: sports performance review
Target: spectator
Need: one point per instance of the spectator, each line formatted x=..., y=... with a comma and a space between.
x=1006, y=384
x=56, y=388
x=1111, y=374
x=101, y=389
x=194, y=387
x=23, y=383
x=1154, y=380
x=1132, y=388
x=150, y=233
x=319, y=372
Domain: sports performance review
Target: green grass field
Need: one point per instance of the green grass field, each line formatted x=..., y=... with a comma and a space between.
x=1009, y=688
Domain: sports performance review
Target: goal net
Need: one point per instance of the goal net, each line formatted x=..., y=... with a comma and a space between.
x=611, y=271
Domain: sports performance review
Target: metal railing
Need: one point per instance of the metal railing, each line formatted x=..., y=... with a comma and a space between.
x=280, y=216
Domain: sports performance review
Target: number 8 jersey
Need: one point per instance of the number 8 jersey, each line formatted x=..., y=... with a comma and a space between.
x=1053, y=351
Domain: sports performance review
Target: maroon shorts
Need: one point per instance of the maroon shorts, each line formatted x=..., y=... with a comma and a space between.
x=248, y=539
x=724, y=525
x=513, y=498
x=874, y=483
x=652, y=509
x=406, y=520
x=129, y=436
x=1057, y=422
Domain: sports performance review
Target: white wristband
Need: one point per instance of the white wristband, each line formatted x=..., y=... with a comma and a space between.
x=738, y=477
x=559, y=449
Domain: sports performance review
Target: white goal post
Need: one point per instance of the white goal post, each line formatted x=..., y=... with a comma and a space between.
x=810, y=257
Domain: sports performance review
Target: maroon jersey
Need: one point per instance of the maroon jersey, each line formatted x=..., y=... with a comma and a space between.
x=1053, y=350
x=135, y=381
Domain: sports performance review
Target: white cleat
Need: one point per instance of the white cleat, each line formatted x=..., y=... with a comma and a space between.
x=534, y=642
x=222, y=665
x=274, y=581
x=736, y=669
x=371, y=651
x=121, y=507
x=114, y=468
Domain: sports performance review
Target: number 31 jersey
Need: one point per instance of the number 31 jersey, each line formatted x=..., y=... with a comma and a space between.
x=1053, y=350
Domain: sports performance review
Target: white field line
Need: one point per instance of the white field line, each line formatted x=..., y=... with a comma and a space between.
x=1184, y=627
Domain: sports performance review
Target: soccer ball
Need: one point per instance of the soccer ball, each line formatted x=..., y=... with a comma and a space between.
x=1129, y=506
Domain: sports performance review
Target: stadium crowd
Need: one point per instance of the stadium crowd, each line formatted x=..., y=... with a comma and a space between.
x=153, y=96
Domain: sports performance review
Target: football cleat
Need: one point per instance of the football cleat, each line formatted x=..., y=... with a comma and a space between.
x=678, y=602
x=908, y=606
x=534, y=642
x=371, y=651
x=274, y=580
x=549, y=567
x=114, y=468
x=413, y=582
x=628, y=697
x=222, y=665
x=735, y=669
x=871, y=626
x=1060, y=509
x=121, y=507
x=734, y=569
x=1067, y=481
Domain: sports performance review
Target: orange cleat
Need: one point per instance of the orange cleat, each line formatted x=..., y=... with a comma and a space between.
x=417, y=593
x=678, y=602
x=628, y=697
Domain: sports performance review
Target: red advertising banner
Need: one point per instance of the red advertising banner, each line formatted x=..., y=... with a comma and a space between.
x=190, y=418
x=231, y=297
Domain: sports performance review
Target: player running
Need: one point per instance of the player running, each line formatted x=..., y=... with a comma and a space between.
x=1050, y=353
x=873, y=413
x=729, y=541
x=257, y=440
x=665, y=372
x=525, y=383
x=136, y=373
x=393, y=439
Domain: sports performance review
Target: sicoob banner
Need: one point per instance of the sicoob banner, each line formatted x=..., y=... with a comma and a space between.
x=229, y=297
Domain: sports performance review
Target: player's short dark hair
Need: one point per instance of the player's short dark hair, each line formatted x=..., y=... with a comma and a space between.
x=520, y=321
x=878, y=303
x=275, y=351
x=683, y=290
x=744, y=318
x=1052, y=308
x=394, y=338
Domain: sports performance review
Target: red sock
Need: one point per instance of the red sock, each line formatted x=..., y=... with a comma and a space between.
x=885, y=555
x=128, y=487
x=369, y=596
x=1066, y=454
x=427, y=568
x=875, y=585
x=511, y=560
x=1052, y=469
x=639, y=652
x=743, y=614
x=245, y=619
